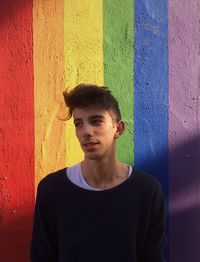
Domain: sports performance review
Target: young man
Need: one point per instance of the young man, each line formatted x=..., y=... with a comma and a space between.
x=99, y=210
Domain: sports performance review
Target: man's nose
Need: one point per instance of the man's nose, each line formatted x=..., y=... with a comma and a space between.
x=87, y=130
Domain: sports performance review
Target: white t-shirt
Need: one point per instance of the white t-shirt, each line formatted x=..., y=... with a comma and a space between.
x=75, y=175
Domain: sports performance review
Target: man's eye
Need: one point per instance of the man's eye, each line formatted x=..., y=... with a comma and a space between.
x=96, y=122
x=77, y=124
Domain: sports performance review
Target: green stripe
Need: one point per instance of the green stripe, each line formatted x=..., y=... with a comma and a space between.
x=118, y=66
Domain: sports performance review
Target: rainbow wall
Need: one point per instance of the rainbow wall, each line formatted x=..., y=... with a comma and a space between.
x=148, y=53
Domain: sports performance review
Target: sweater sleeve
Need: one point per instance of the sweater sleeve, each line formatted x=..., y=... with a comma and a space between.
x=155, y=241
x=43, y=246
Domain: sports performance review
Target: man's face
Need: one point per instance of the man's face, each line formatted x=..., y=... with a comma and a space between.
x=96, y=131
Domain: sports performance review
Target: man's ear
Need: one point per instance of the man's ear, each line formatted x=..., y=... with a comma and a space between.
x=120, y=128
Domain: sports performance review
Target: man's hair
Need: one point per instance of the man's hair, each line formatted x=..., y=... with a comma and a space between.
x=90, y=95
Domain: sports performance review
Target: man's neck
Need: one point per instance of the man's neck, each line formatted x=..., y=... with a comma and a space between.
x=104, y=174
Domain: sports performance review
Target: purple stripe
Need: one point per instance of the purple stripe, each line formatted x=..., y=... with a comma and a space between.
x=184, y=130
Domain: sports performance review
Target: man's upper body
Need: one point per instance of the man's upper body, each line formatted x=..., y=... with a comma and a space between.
x=122, y=219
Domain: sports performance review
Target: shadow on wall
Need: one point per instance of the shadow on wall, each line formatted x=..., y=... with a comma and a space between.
x=9, y=8
x=184, y=210
x=184, y=198
x=184, y=171
x=15, y=239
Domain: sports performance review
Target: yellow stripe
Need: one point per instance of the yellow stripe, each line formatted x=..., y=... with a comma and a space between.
x=83, y=36
x=50, y=141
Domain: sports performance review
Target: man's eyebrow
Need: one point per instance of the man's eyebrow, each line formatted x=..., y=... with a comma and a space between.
x=91, y=118
x=96, y=116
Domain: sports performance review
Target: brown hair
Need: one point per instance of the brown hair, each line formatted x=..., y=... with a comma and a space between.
x=87, y=95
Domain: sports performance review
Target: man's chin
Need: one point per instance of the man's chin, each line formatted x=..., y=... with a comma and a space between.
x=93, y=156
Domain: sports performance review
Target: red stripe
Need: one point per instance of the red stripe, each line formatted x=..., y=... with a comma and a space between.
x=16, y=129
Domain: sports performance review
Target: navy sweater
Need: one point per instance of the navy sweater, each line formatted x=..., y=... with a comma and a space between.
x=122, y=224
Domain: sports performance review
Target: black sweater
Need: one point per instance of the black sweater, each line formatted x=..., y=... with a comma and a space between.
x=122, y=224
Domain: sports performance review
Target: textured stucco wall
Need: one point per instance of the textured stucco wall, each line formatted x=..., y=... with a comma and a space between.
x=184, y=130
x=48, y=58
x=83, y=34
x=16, y=130
x=151, y=90
x=147, y=53
x=118, y=41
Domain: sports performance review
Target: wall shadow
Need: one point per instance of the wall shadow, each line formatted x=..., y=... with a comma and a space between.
x=182, y=198
x=10, y=8
x=183, y=210
x=15, y=239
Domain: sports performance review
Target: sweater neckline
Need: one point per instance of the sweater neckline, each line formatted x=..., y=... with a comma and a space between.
x=98, y=192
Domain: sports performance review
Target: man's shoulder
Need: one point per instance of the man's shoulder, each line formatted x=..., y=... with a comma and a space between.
x=146, y=181
x=53, y=180
x=147, y=188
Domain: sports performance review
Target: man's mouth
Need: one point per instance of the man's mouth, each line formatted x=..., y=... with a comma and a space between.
x=90, y=144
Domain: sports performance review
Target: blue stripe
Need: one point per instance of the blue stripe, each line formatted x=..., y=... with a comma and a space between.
x=151, y=89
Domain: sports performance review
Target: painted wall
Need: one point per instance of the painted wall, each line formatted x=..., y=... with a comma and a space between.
x=147, y=53
x=16, y=129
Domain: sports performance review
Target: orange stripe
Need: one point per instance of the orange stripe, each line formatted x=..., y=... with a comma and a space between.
x=48, y=31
